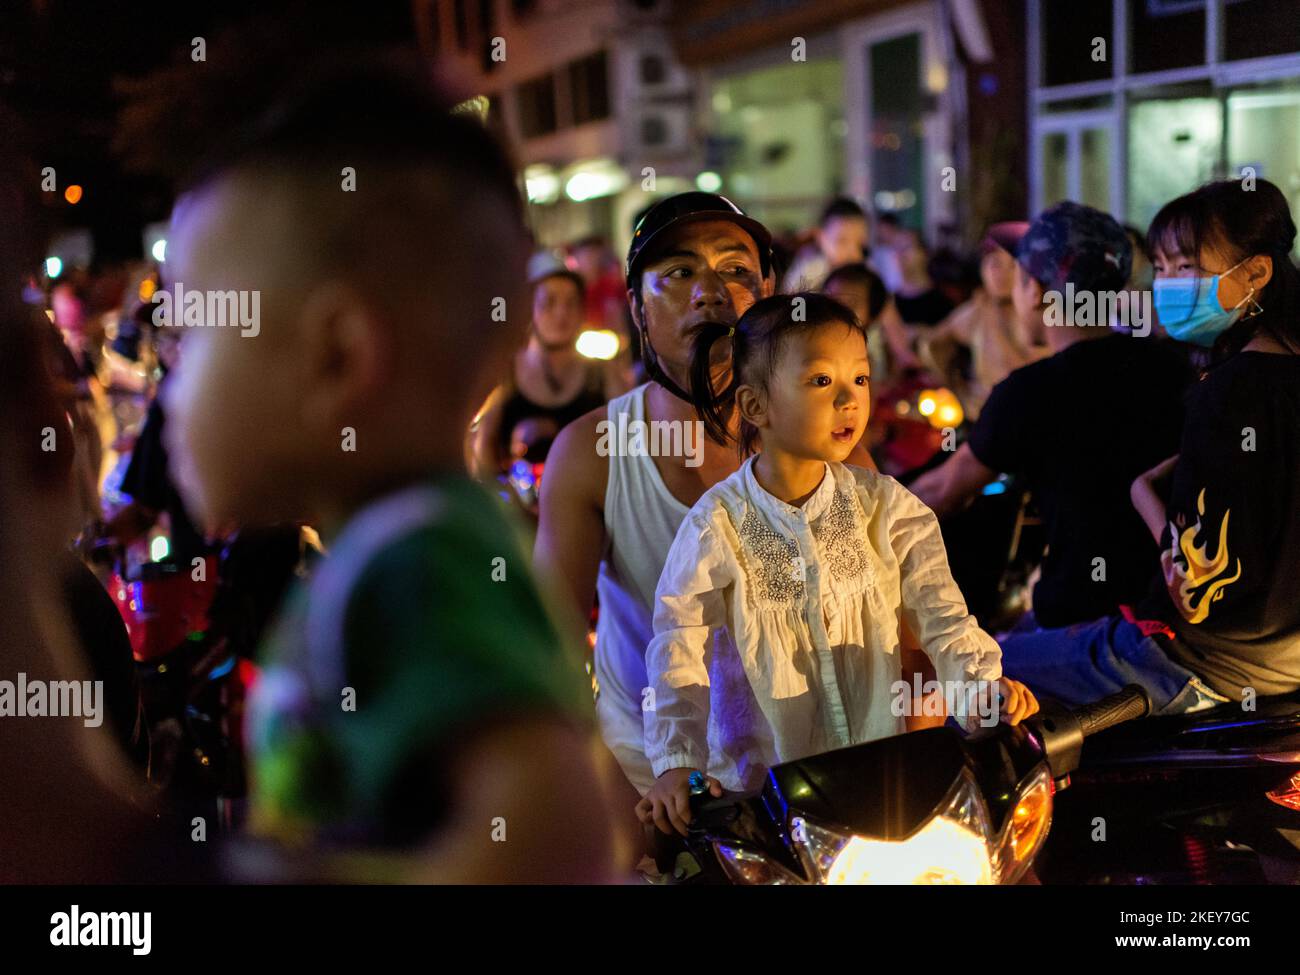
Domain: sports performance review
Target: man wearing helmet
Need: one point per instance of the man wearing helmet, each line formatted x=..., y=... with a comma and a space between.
x=609, y=518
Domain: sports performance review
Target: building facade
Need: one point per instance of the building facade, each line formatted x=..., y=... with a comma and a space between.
x=1134, y=102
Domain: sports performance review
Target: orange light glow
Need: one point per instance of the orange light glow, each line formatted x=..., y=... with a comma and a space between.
x=73, y=194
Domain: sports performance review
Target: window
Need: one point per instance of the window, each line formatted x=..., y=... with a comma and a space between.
x=1076, y=41
x=1173, y=147
x=589, y=85
x=1166, y=34
x=895, y=144
x=537, y=106
x=1259, y=28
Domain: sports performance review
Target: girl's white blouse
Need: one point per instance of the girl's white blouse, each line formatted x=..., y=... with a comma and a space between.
x=777, y=628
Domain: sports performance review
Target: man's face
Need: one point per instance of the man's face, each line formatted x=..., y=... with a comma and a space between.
x=700, y=273
x=843, y=240
x=232, y=402
x=557, y=312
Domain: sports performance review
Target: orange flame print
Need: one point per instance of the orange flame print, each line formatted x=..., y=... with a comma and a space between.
x=1193, y=578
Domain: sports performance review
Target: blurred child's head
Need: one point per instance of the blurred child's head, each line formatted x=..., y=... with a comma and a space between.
x=842, y=232
x=800, y=378
x=859, y=289
x=381, y=235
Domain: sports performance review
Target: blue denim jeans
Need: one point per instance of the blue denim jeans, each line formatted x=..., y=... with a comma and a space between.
x=1079, y=664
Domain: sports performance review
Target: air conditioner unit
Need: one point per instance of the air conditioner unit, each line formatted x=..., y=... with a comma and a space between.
x=656, y=130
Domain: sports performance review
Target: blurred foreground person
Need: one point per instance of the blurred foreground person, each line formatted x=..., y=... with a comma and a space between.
x=420, y=717
x=73, y=811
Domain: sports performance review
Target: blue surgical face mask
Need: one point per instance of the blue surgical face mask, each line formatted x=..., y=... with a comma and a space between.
x=1189, y=308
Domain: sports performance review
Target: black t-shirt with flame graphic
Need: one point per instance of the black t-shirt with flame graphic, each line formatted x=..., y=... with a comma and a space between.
x=1229, y=584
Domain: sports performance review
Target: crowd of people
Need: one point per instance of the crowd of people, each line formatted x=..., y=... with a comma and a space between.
x=432, y=699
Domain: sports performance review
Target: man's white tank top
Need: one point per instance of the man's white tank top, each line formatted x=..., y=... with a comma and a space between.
x=641, y=521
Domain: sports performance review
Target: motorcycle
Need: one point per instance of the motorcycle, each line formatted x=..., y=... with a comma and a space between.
x=929, y=807
x=1206, y=798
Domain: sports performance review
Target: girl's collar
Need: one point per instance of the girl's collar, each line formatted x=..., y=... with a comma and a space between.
x=774, y=507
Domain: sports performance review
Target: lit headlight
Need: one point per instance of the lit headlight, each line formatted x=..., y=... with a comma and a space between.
x=951, y=848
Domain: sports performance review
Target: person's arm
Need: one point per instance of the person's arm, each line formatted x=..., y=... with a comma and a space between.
x=529, y=808
x=948, y=487
x=485, y=453
x=934, y=610
x=571, y=530
x=689, y=610
x=896, y=337
x=1148, y=492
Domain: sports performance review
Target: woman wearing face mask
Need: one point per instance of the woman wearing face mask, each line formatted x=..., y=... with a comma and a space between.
x=1221, y=623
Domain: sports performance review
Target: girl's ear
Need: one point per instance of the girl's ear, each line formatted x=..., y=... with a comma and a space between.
x=752, y=405
x=1259, y=271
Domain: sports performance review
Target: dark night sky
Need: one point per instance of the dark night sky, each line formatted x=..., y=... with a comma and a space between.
x=58, y=61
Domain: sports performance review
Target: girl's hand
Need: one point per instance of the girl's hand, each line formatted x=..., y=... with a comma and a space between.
x=1018, y=702
x=668, y=803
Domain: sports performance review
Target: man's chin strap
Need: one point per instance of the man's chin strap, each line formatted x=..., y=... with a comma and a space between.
x=656, y=372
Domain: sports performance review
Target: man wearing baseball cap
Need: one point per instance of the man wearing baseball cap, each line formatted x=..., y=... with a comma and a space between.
x=1078, y=426
x=608, y=517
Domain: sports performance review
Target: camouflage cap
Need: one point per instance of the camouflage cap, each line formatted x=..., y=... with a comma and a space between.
x=1070, y=243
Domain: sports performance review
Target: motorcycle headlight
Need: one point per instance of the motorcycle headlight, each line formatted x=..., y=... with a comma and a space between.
x=745, y=866
x=952, y=847
x=1026, y=828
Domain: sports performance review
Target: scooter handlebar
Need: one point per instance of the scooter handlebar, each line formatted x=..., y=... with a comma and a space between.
x=1127, y=705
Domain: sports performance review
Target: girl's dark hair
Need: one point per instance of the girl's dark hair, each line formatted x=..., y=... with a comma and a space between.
x=877, y=294
x=1241, y=222
x=756, y=345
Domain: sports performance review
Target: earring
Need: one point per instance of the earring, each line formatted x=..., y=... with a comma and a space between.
x=1253, y=308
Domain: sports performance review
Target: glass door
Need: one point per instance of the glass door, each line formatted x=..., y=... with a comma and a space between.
x=1077, y=159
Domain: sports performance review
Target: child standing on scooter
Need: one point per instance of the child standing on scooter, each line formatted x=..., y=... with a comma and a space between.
x=778, y=612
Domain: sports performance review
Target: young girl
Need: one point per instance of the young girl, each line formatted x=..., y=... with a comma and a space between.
x=1221, y=622
x=778, y=612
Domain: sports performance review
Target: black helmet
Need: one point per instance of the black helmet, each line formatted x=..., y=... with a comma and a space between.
x=689, y=208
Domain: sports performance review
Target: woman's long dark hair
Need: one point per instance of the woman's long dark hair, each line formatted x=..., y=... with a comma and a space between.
x=756, y=344
x=1241, y=222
